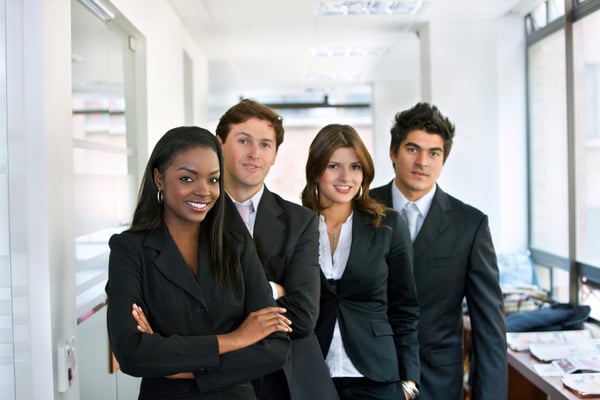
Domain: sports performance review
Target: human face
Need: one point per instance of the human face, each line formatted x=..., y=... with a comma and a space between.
x=418, y=163
x=341, y=180
x=190, y=186
x=248, y=154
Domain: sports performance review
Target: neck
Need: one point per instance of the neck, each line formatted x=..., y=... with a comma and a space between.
x=242, y=193
x=336, y=214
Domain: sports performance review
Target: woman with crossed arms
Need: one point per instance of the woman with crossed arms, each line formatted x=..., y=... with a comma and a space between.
x=204, y=321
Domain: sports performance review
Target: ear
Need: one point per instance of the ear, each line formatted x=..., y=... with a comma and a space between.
x=219, y=139
x=157, y=179
x=392, y=155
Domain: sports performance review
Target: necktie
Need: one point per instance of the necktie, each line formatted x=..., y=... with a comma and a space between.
x=245, y=210
x=411, y=213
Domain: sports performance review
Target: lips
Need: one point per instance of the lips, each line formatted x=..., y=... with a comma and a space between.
x=251, y=166
x=200, y=206
x=343, y=188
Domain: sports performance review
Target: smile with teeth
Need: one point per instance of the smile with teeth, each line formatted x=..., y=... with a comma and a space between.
x=198, y=205
x=343, y=188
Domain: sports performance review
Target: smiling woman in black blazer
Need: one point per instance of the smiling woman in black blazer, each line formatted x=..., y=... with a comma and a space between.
x=205, y=322
x=367, y=325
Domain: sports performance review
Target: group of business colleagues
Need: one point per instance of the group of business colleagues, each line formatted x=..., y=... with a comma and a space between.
x=221, y=289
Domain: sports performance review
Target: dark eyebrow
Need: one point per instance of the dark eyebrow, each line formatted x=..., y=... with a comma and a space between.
x=187, y=169
x=411, y=144
x=193, y=171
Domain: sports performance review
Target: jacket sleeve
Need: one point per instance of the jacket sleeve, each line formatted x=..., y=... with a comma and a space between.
x=301, y=280
x=157, y=355
x=403, y=310
x=142, y=354
x=257, y=360
x=488, y=328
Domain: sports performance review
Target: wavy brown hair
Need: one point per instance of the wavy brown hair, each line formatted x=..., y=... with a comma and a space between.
x=329, y=139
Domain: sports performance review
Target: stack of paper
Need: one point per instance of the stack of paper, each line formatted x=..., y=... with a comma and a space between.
x=584, y=385
x=521, y=341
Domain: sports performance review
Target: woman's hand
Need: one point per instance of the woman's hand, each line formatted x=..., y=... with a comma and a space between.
x=257, y=326
x=140, y=318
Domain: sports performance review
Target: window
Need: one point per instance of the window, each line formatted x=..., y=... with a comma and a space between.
x=552, y=177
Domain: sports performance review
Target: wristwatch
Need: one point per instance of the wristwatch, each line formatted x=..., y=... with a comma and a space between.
x=410, y=388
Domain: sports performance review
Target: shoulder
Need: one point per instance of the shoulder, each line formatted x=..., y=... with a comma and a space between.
x=293, y=210
x=127, y=238
x=458, y=205
x=381, y=191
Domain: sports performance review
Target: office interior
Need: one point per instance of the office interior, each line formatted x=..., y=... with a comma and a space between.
x=520, y=79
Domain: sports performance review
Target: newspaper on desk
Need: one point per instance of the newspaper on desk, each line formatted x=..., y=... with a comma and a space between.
x=583, y=385
x=553, y=351
x=520, y=341
x=570, y=365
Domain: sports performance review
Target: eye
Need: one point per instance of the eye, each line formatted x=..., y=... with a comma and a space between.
x=332, y=166
x=436, y=154
x=186, y=179
x=242, y=141
x=214, y=180
x=356, y=167
x=411, y=149
x=266, y=145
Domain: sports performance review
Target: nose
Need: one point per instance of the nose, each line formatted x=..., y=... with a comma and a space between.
x=344, y=174
x=422, y=158
x=254, y=151
x=202, y=188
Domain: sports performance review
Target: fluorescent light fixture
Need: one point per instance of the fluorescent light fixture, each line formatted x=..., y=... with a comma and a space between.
x=348, y=51
x=98, y=8
x=399, y=7
x=317, y=77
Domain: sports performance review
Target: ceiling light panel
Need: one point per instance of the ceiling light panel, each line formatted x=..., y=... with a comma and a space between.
x=400, y=7
x=348, y=51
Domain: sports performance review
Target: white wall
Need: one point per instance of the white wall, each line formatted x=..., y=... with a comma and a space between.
x=477, y=78
x=166, y=40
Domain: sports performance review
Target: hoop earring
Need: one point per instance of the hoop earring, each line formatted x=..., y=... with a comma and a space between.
x=360, y=192
x=159, y=196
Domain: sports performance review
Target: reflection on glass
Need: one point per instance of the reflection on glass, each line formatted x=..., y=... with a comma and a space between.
x=7, y=344
x=587, y=130
x=548, y=146
x=556, y=9
x=104, y=192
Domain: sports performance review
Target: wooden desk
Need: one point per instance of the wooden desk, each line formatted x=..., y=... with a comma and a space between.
x=525, y=383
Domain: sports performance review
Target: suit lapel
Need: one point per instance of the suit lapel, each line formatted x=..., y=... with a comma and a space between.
x=437, y=220
x=358, y=248
x=170, y=262
x=268, y=229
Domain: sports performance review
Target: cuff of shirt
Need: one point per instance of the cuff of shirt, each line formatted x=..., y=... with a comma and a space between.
x=274, y=290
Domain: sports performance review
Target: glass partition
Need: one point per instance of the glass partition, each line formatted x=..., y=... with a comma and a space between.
x=7, y=361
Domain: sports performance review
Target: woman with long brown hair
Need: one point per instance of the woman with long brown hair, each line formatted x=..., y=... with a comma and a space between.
x=367, y=325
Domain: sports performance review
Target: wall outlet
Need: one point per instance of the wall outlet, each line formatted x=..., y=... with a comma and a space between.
x=66, y=364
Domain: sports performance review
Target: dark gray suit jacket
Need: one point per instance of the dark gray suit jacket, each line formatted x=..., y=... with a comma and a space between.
x=286, y=236
x=375, y=302
x=186, y=314
x=454, y=258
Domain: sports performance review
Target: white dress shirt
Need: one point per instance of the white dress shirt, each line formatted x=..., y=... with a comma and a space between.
x=333, y=267
x=423, y=203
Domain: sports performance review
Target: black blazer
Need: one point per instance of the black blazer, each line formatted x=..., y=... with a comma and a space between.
x=375, y=302
x=454, y=259
x=186, y=314
x=286, y=236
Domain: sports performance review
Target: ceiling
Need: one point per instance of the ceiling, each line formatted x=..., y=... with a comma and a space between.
x=265, y=48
